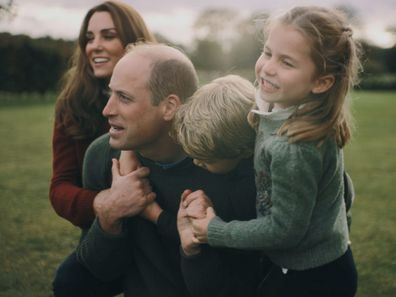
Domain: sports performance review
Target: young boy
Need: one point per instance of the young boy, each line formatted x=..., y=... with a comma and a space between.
x=212, y=126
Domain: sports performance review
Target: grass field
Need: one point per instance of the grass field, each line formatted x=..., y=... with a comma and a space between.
x=34, y=240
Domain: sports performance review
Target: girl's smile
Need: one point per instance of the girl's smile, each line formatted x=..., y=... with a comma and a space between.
x=285, y=70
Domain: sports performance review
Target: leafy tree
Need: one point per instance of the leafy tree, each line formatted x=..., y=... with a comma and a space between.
x=208, y=55
x=32, y=65
x=248, y=42
x=7, y=9
x=216, y=24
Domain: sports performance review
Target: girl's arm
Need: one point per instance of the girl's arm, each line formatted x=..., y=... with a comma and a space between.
x=285, y=202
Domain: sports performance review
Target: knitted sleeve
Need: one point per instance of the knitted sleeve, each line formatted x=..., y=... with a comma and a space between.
x=290, y=173
x=67, y=197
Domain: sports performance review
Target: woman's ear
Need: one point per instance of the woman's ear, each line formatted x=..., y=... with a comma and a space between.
x=323, y=84
x=170, y=106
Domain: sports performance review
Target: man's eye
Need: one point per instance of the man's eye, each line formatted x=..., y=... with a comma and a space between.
x=123, y=97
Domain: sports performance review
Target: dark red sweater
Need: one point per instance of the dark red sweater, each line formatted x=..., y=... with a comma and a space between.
x=68, y=198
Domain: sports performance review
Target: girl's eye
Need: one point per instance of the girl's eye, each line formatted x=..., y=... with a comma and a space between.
x=267, y=53
x=287, y=63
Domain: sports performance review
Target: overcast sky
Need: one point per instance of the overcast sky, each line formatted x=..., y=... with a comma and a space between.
x=174, y=18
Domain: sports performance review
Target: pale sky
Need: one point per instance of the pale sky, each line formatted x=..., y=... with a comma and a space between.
x=174, y=18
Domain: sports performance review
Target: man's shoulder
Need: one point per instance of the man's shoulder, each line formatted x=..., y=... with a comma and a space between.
x=99, y=144
x=97, y=163
x=100, y=148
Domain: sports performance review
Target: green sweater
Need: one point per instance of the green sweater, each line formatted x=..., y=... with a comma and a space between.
x=301, y=221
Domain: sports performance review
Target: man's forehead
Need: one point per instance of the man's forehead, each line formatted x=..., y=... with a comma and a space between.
x=130, y=70
x=157, y=52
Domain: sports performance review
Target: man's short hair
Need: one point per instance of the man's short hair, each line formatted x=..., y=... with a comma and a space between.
x=213, y=122
x=172, y=72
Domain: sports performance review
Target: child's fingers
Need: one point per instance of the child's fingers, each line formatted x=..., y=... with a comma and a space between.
x=193, y=196
x=115, y=168
x=210, y=212
x=185, y=194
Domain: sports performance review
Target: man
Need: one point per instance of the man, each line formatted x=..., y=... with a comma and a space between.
x=148, y=85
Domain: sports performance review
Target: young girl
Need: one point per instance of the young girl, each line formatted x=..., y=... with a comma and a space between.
x=308, y=65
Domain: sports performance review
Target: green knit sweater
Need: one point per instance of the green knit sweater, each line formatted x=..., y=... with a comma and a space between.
x=301, y=220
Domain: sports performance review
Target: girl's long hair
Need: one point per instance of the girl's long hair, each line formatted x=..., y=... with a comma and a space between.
x=334, y=52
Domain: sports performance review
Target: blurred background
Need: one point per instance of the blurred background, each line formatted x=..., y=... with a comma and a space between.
x=37, y=38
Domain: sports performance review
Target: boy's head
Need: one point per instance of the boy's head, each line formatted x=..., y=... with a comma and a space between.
x=212, y=125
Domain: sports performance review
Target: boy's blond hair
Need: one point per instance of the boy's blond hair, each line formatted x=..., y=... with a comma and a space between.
x=212, y=124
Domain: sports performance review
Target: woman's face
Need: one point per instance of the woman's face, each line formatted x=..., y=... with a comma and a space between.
x=104, y=47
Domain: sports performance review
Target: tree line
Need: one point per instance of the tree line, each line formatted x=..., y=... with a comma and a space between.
x=37, y=64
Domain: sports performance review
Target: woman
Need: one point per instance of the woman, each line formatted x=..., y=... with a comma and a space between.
x=106, y=29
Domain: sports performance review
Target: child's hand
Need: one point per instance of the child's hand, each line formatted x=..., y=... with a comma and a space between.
x=196, y=204
x=152, y=212
x=185, y=229
x=200, y=226
x=128, y=162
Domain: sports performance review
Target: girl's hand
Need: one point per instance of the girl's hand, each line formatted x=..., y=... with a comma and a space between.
x=196, y=204
x=128, y=162
x=185, y=229
x=200, y=226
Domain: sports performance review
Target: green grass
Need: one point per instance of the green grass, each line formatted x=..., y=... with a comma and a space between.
x=371, y=161
x=34, y=240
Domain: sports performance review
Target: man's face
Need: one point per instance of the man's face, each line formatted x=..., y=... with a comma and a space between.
x=135, y=123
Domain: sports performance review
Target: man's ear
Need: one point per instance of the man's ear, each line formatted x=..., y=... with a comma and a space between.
x=323, y=84
x=170, y=105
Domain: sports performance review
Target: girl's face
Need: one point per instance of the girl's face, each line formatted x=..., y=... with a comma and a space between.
x=285, y=70
x=104, y=47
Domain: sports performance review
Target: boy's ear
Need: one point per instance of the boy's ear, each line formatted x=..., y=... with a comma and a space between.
x=170, y=105
x=323, y=84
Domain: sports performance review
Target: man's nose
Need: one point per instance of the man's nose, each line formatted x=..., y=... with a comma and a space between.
x=110, y=107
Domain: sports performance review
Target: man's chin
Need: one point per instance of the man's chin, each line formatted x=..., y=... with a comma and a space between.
x=115, y=144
